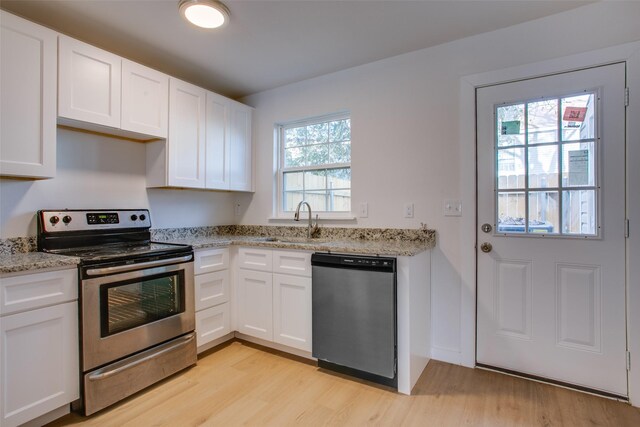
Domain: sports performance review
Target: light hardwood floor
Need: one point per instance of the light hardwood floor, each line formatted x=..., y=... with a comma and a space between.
x=242, y=384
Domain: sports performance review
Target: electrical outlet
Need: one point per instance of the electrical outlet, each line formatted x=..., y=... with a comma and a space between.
x=408, y=210
x=364, y=210
x=238, y=212
x=452, y=207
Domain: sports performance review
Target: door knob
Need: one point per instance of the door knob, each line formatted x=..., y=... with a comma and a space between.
x=486, y=247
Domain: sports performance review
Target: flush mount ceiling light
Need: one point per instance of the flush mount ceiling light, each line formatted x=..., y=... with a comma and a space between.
x=204, y=13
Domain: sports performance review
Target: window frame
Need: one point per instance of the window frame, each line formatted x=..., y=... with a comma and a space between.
x=280, y=170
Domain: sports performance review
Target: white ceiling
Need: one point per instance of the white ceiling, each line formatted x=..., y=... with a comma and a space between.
x=272, y=43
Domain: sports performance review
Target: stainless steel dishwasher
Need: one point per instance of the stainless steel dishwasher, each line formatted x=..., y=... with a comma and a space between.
x=354, y=316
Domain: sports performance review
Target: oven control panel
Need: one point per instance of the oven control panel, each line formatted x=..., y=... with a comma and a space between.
x=82, y=220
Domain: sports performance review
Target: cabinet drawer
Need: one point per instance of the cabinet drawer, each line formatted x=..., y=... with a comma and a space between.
x=213, y=323
x=211, y=289
x=209, y=260
x=292, y=262
x=29, y=291
x=255, y=259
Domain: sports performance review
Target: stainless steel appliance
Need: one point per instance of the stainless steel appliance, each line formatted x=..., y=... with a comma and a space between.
x=137, y=309
x=354, y=315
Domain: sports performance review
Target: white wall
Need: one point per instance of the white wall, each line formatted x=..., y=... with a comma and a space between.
x=97, y=171
x=405, y=130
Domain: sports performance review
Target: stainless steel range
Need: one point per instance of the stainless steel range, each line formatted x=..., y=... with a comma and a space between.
x=136, y=300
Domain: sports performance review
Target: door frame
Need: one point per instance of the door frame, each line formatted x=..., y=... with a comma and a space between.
x=628, y=53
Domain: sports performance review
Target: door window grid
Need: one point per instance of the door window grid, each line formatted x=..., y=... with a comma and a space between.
x=546, y=167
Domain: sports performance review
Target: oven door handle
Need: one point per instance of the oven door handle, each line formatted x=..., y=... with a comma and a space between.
x=139, y=266
x=101, y=374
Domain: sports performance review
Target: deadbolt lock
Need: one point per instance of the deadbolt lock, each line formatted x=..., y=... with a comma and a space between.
x=486, y=247
x=486, y=228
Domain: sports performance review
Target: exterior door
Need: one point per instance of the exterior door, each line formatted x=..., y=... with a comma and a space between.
x=551, y=228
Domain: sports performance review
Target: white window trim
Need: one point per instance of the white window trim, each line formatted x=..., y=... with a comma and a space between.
x=278, y=213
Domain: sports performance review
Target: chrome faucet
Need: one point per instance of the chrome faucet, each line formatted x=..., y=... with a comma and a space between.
x=296, y=217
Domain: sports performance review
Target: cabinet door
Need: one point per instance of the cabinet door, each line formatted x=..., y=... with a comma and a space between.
x=35, y=290
x=210, y=260
x=28, y=76
x=89, y=83
x=217, y=147
x=39, y=362
x=240, y=148
x=292, y=311
x=255, y=259
x=212, y=323
x=255, y=296
x=186, y=142
x=145, y=100
x=211, y=289
x=292, y=262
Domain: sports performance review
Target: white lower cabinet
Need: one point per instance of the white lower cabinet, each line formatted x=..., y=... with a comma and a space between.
x=292, y=311
x=212, y=323
x=39, y=367
x=212, y=290
x=255, y=308
x=273, y=306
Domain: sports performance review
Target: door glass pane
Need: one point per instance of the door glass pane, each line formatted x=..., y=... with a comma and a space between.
x=578, y=164
x=579, y=213
x=128, y=305
x=543, y=212
x=542, y=121
x=511, y=212
x=510, y=125
x=511, y=169
x=578, y=117
x=543, y=166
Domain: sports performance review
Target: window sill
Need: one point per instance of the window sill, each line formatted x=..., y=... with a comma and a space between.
x=326, y=217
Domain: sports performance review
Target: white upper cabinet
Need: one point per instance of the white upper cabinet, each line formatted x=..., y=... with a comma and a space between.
x=240, y=148
x=145, y=100
x=217, y=146
x=186, y=142
x=28, y=76
x=103, y=92
x=89, y=85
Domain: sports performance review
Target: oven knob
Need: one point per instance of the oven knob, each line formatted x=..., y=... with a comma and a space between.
x=134, y=217
x=143, y=217
x=54, y=220
x=66, y=219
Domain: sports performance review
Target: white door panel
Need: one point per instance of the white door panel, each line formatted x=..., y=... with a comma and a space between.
x=551, y=291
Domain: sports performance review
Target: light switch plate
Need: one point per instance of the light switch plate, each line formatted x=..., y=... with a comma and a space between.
x=408, y=210
x=364, y=210
x=452, y=207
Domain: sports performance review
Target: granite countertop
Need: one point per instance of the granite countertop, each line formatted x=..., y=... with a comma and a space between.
x=23, y=262
x=355, y=246
x=19, y=254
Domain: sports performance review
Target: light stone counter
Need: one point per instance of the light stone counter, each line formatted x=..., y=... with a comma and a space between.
x=30, y=261
x=390, y=242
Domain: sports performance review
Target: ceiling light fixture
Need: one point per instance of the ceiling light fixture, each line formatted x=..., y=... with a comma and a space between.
x=204, y=13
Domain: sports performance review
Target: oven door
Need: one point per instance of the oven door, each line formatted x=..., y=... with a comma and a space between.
x=128, y=312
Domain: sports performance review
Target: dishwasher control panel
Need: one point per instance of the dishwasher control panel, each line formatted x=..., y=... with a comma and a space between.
x=367, y=262
x=362, y=262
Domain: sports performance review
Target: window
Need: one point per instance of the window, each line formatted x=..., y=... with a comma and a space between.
x=546, y=166
x=315, y=164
